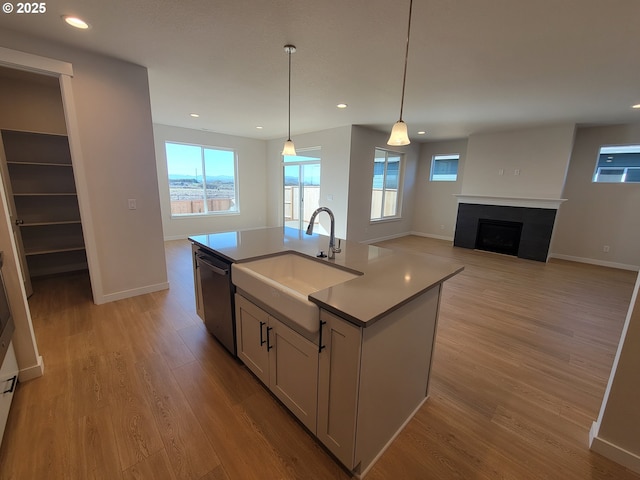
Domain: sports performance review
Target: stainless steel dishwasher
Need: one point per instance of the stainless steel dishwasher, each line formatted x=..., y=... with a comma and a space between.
x=217, y=298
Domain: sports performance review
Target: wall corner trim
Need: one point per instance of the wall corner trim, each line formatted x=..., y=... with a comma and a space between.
x=33, y=371
x=34, y=63
x=112, y=297
x=611, y=451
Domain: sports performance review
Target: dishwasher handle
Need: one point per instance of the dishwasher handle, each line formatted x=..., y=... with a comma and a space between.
x=215, y=268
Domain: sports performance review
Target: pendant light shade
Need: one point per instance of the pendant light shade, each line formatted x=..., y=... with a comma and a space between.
x=399, y=135
x=289, y=149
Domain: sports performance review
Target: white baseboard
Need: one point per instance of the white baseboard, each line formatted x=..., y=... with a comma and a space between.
x=32, y=372
x=388, y=237
x=404, y=234
x=112, y=297
x=431, y=235
x=592, y=261
x=613, y=452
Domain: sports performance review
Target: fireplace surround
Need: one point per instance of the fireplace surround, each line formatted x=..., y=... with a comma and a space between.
x=536, y=230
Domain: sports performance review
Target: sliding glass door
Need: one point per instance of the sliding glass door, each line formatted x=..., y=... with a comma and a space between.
x=301, y=182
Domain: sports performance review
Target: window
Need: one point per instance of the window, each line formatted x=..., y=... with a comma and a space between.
x=618, y=164
x=202, y=180
x=444, y=168
x=387, y=180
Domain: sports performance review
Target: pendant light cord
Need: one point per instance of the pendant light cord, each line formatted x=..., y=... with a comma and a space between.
x=289, y=127
x=406, y=58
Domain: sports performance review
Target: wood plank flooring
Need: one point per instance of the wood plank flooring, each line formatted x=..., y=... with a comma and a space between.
x=137, y=389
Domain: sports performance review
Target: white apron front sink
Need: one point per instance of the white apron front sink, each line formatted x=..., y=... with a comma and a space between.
x=284, y=282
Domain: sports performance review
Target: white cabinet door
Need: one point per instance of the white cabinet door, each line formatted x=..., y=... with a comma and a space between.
x=251, y=337
x=338, y=380
x=285, y=361
x=293, y=372
x=8, y=379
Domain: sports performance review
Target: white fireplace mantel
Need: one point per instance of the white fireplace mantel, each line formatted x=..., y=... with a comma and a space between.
x=551, y=203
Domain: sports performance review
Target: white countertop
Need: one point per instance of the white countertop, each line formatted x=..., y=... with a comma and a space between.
x=390, y=278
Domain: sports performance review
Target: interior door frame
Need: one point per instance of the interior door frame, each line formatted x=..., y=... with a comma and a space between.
x=64, y=72
x=13, y=219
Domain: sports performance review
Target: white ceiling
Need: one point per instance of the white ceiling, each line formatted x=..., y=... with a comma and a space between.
x=474, y=65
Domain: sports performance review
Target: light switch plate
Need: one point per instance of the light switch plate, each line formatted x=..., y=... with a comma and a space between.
x=132, y=204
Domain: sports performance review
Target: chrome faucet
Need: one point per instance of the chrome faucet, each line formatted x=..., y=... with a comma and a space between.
x=332, y=237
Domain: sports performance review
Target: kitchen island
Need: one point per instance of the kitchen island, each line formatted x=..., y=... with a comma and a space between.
x=357, y=380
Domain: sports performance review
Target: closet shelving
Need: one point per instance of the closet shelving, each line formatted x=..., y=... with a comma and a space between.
x=46, y=203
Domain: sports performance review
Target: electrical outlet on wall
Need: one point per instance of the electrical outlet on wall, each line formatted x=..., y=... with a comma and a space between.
x=605, y=248
x=132, y=204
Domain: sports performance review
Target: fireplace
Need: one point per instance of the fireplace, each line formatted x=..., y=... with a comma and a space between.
x=499, y=236
x=534, y=225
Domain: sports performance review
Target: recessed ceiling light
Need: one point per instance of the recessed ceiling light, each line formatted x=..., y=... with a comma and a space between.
x=194, y=115
x=421, y=132
x=636, y=106
x=75, y=22
x=259, y=127
x=342, y=105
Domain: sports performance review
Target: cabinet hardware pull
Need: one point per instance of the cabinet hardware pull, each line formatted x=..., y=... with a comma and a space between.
x=262, y=341
x=14, y=380
x=320, y=345
x=269, y=346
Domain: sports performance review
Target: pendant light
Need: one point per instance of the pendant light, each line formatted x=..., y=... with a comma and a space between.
x=399, y=135
x=289, y=149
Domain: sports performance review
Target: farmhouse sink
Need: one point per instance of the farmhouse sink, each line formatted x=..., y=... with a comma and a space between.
x=284, y=282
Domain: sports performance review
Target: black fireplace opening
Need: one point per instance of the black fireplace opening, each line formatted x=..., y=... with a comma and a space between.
x=500, y=236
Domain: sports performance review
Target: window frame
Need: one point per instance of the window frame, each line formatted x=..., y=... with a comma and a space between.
x=236, y=182
x=401, y=167
x=619, y=166
x=443, y=157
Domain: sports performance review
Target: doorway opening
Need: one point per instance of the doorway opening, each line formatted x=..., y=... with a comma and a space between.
x=38, y=178
x=301, y=184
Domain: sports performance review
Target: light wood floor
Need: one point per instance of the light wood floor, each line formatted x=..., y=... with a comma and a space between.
x=137, y=389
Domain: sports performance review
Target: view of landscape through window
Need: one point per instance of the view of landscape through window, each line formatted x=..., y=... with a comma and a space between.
x=202, y=179
x=301, y=187
x=386, y=185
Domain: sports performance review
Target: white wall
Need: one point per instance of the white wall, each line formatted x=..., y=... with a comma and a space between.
x=616, y=432
x=540, y=154
x=116, y=139
x=31, y=106
x=598, y=214
x=335, y=145
x=359, y=226
x=436, y=208
x=252, y=187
